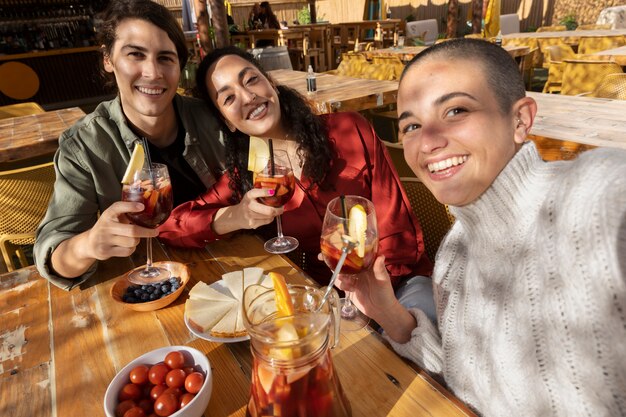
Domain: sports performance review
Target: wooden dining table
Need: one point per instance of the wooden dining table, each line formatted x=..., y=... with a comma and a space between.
x=407, y=53
x=34, y=135
x=340, y=93
x=59, y=350
x=571, y=37
x=616, y=54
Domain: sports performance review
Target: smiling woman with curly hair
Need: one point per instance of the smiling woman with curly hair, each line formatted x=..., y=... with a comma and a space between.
x=331, y=155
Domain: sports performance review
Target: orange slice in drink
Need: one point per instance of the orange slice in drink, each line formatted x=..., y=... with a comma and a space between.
x=136, y=164
x=284, y=305
x=258, y=147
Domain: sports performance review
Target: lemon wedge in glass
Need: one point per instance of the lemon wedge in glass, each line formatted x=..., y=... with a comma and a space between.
x=258, y=147
x=357, y=226
x=136, y=164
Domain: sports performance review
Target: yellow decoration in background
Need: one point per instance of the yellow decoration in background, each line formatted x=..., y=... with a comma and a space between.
x=492, y=19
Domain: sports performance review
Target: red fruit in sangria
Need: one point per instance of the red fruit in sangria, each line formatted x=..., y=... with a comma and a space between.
x=283, y=183
x=157, y=202
x=331, y=246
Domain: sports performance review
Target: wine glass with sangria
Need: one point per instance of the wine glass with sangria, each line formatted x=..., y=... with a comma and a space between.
x=151, y=187
x=350, y=218
x=275, y=173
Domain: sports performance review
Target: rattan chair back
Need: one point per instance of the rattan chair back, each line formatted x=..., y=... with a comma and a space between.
x=20, y=109
x=24, y=197
x=556, y=28
x=396, y=152
x=612, y=86
x=434, y=217
x=581, y=76
x=590, y=45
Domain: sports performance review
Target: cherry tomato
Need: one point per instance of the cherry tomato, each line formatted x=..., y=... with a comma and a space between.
x=194, y=382
x=157, y=373
x=175, y=378
x=175, y=359
x=123, y=407
x=146, y=404
x=186, y=398
x=135, y=412
x=139, y=374
x=189, y=369
x=176, y=391
x=165, y=405
x=129, y=392
x=156, y=391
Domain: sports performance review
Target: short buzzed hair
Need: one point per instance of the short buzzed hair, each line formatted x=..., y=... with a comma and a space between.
x=501, y=71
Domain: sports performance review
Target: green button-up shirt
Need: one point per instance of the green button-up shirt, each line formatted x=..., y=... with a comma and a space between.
x=91, y=161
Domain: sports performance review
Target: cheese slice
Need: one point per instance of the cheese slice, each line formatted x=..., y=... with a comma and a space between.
x=252, y=276
x=205, y=292
x=234, y=283
x=227, y=326
x=267, y=282
x=203, y=315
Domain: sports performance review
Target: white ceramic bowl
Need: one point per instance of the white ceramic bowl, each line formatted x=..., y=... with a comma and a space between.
x=193, y=357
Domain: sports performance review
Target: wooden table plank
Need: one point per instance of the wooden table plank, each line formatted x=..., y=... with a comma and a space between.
x=339, y=93
x=568, y=36
x=616, y=54
x=34, y=135
x=407, y=53
x=83, y=338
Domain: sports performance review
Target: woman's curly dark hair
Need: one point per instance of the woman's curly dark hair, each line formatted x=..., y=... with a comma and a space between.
x=305, y=126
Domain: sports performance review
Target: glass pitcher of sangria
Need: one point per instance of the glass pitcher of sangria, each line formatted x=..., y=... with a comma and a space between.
x=292, y=372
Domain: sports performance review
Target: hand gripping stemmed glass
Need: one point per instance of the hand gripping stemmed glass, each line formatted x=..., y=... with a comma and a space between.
x=276, y=174
x=153, y=188
x=354, y=219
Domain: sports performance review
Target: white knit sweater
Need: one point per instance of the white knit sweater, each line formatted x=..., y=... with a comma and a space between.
x=530, y=288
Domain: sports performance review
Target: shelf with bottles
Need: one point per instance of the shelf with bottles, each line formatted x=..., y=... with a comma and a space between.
x=44, y=25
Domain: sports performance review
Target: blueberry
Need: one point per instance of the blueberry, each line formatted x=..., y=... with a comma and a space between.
x=157, y=292
x=149, y=289
x=165, y=288
x=131, y=300
x=137, y=293
x=153, y=296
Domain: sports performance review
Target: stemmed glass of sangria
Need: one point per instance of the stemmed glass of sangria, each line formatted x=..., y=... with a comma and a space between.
x=151, y=187
x=352, y=218
x=275, y=173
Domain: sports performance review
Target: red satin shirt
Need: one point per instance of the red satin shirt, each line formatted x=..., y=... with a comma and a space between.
x=400, y=236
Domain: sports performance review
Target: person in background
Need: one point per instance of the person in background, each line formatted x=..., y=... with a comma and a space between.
x=530, y=282
x=331, y=155
x=144, y=51
x=254, y=21
x=267, y=17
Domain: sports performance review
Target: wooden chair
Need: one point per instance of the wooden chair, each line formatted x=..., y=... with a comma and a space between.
x=396, y=152
x=24, y=197
x=555, y=55
x=555, y=28
x=434, y=217
x=20, y=109
x=594, y=26
x=590, y=45
x=526, y=67
x=612, y=86
x=545, y=46
x=581, y=76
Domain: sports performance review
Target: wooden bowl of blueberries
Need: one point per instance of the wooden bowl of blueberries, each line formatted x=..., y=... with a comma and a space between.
x=150, y=297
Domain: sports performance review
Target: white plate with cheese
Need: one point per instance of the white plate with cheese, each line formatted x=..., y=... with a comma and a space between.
x=213, y=311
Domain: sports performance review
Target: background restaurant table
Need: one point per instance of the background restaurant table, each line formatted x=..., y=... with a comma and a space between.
x=407, y=53
x=568, y=36
x=617, y=54
x=35, y=135
x=59, y=350
x=339, y=93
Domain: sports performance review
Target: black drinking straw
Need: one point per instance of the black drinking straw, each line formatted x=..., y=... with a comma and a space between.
x=344, y=212
x=147, y=153
x=271, y=158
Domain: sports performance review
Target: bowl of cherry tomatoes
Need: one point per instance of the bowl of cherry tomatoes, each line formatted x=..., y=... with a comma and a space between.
x=174, y=381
